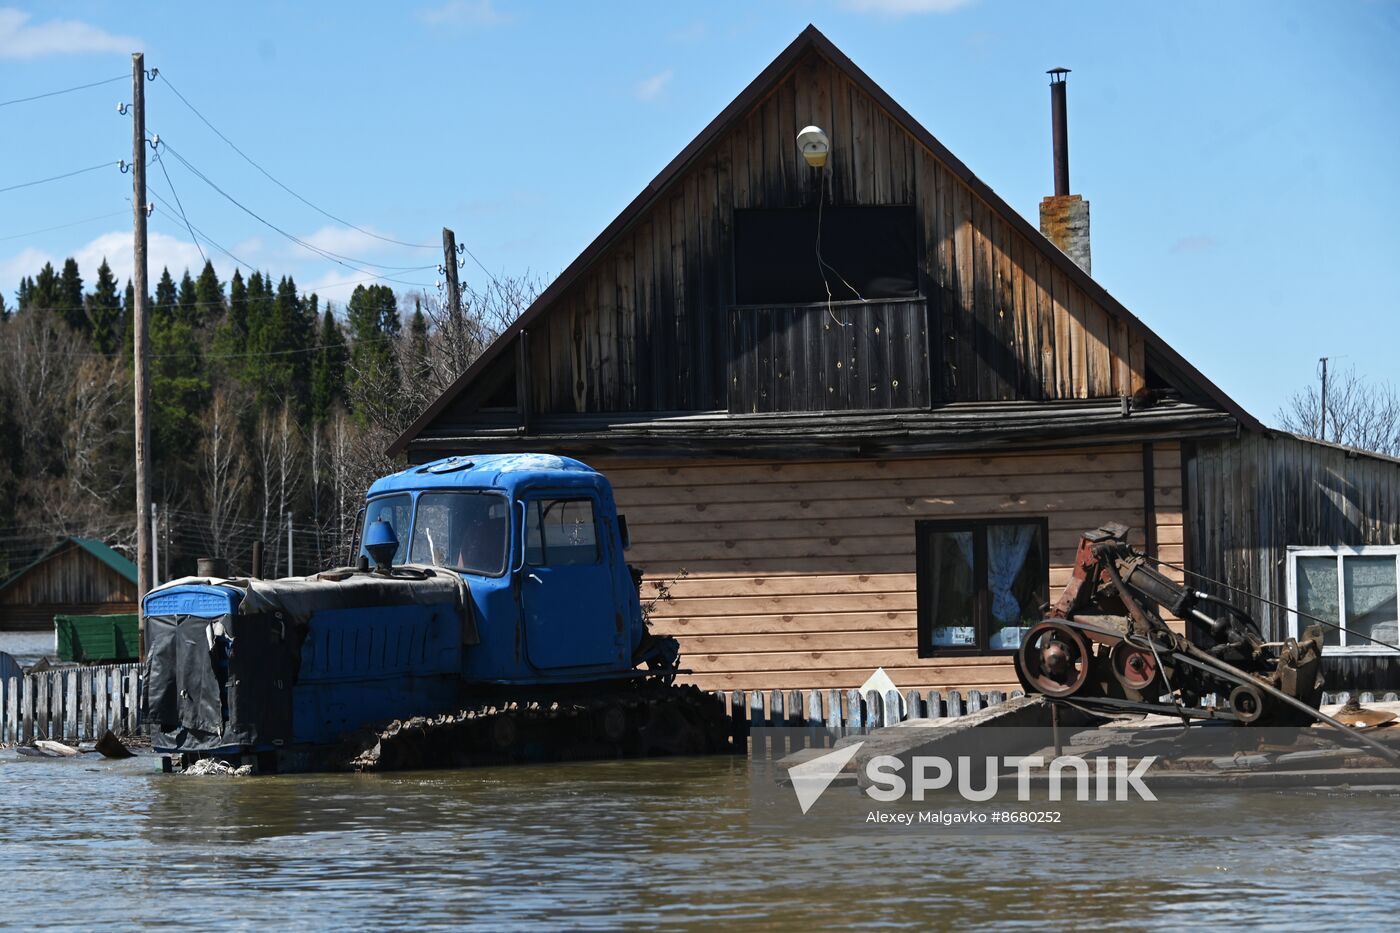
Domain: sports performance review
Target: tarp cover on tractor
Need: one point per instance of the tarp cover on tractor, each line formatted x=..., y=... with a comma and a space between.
x=222, y=656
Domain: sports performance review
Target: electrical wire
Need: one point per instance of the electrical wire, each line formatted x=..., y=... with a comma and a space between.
x=67, y=90
x=176, y=195
x=822, y=264
x=249, y=159
x=1270, y=602
x=348, y=262
x=17, y=236
x=42, y=181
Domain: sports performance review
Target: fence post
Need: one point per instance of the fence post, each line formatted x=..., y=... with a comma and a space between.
x=89, y=701
x=834, y=721
x=855, y=720
x=28, y=713
x=974, y=701
x=133, y=699
x=874, y=709
x=104, y=700
x=814, y=708
x=70, y=692
x=12, y=703
x=915, y=703
x=738, y=720
x=4, y=710
x=955, y=703
x=41, y=706
x=118, y=683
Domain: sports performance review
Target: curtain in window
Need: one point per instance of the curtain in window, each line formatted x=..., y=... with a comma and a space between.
x=950, y=568
x=1369, y=584
x=1007, y=546
x=1317, y=594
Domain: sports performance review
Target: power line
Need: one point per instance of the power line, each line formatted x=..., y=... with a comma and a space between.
x=86, y=220
x=348, y=262
x=176, y=195
x=247, y=158
x=67, y=90
x=41, y=181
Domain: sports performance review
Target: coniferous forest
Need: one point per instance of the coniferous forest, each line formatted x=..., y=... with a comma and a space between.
x=270, y=408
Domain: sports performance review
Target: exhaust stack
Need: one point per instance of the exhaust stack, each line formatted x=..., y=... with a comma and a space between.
x=1064, y=217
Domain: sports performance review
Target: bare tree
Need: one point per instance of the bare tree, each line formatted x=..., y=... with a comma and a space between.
x=288, y=453
x=225, y=469
x=1360, y=413
x=68, y=409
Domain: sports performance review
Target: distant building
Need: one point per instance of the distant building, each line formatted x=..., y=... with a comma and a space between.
x=858, y=416
x=77, y=576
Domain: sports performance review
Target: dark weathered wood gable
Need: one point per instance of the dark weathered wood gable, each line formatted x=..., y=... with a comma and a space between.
x=646, y=319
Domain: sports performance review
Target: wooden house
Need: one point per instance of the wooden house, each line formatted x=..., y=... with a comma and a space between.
x=77, y=576
x=819, y=483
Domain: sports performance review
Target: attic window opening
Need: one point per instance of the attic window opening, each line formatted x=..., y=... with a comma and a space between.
x=874, y=249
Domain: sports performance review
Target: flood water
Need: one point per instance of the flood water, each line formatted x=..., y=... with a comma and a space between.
x=90, y=844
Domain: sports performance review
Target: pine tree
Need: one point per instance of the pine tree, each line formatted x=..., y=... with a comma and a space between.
x=43, y=291
x=4, y=311
x=104, y=311
x=373, y=318
x=328, y=368
x=70, y=296
x=190, y=311
x=416, y=365
x=209, y=295
x=166, y=297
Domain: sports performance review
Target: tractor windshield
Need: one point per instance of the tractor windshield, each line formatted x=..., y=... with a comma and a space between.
x=465, y=531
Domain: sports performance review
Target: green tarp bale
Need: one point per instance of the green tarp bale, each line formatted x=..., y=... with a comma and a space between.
x=97, y=638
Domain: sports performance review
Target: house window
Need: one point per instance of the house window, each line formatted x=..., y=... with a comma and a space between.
x=982, y=584
x=866, y=252
x=1352, y=587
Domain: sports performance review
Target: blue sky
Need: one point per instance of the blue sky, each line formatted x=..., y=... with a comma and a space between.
x=1240, y=156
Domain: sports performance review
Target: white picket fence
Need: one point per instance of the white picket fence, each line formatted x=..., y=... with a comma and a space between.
x=72, y=704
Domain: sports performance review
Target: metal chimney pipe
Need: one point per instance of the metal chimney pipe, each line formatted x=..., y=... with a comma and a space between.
x=1060, y=125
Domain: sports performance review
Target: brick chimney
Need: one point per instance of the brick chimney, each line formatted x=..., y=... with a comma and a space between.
x=1064, y=218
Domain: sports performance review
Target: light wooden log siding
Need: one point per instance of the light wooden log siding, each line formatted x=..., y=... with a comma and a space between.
x=801, y=575
x=647, y=328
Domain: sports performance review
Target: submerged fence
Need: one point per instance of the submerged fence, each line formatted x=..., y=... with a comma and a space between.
x=849, y=710
x=71, y=704
x=78, y=704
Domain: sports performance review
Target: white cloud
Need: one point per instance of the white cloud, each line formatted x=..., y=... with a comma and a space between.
x=19, y=38
x=163, y=251
x=896, y=8
x=27, y=261
x=343, y=240
x=651, y=88
x=464, y=13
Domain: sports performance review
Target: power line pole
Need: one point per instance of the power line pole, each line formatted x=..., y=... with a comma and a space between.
x=1322, y=434
x=155, y=546
x=454, y=301
x=144, y=538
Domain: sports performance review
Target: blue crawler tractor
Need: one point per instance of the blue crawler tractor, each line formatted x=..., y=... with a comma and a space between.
x=489, y=616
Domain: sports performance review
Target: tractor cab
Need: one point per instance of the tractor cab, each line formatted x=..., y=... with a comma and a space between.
x=540, y=544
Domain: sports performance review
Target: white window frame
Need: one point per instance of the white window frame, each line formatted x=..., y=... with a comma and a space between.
x=1296, y=623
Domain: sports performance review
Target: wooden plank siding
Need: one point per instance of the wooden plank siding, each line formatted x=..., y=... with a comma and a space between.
x=648, y=328
x=1253, y=497
x=70, y=581
x=802, y=574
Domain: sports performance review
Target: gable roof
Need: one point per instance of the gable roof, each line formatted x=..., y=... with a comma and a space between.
x=114, y=560
x=811, y=39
